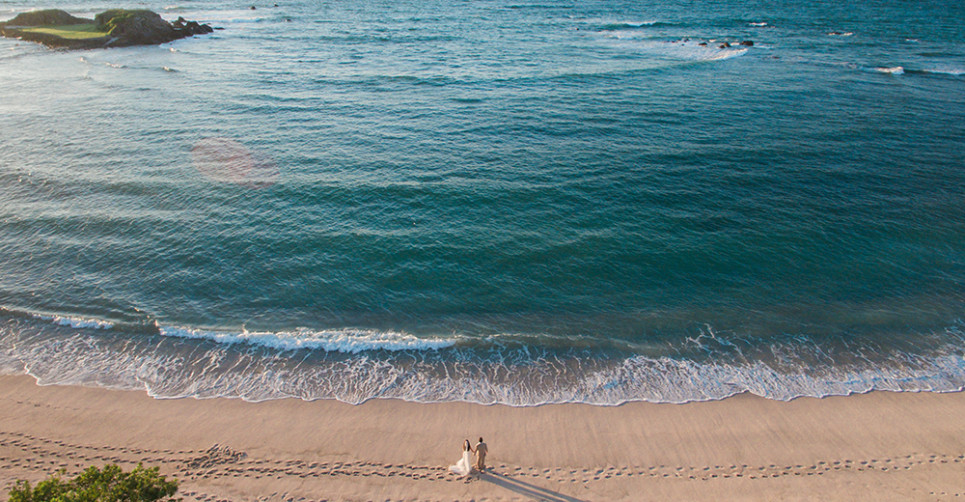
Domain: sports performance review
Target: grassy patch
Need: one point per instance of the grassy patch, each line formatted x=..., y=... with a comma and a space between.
x=69, y=31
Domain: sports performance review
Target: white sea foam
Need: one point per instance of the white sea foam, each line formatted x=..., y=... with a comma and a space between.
x=693, y=51
x=76, y=322
x=946, y=70
x=218, y=373
x=515, y=370
x=347, y=341
x=625, y=34
x=726, y=54
x=893, y=70
x=686, y=50
x=759, y=25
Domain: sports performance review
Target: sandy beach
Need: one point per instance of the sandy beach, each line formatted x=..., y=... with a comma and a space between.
x=879, y=446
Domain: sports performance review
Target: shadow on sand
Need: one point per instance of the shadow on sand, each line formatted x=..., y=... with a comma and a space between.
x=524, y=488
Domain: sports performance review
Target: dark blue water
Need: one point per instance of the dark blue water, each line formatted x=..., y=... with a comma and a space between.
x=492, y=201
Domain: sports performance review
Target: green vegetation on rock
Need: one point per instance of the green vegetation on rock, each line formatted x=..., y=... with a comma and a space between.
x=70, y=31
x=111, y=484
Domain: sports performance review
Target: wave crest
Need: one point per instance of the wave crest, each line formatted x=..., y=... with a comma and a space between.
x=346, y=341
x=893, y=70
x=354, y=366
x=76, y=322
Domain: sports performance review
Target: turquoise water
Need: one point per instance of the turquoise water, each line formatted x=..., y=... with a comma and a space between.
x=491, y=201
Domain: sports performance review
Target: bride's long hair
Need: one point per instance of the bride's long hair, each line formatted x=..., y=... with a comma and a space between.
x=465, y=446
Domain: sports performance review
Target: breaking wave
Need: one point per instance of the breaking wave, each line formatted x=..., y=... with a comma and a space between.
x=75, y=322
x=517, y=370
x=956, y=71
x=348, y=341
x=893, y=70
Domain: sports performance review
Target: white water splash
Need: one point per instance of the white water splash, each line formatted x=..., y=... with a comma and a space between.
x=76, y=322
x=347, y=341
x=893, y=70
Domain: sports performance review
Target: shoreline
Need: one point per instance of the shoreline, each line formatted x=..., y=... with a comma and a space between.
x=875, y=446
x=356, y=365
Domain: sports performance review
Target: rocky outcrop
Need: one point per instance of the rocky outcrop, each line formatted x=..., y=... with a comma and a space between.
x=191, y=27
x=120, y=28
x=134, y=27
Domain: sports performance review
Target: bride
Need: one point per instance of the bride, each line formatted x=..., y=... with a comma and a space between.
x=464, y=465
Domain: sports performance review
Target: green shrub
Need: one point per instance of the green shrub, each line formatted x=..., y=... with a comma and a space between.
x=110, y=18
x=111, y=484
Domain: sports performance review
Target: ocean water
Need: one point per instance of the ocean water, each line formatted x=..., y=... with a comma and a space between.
x=494, y=201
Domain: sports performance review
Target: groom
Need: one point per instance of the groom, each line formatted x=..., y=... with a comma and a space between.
x=481, y=451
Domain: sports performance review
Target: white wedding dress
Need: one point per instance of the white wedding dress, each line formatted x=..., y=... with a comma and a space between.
x=463, y=466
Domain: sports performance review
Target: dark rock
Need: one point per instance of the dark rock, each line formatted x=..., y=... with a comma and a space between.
x=723, y=45
x=135, y=27
x=704, y=44
x=196, y=28
x=748, y=43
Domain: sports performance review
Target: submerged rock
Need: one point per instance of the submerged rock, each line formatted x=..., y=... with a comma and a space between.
x=111, y=28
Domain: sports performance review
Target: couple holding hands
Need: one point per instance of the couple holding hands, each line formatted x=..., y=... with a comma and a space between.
x=464, y=466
